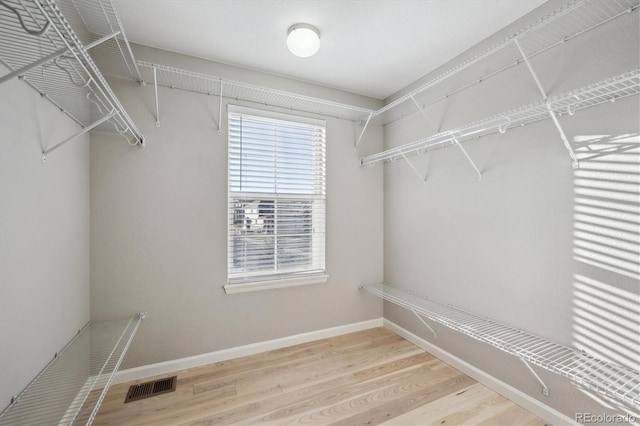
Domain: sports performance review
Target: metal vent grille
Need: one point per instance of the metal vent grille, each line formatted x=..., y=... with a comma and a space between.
x=149, y=389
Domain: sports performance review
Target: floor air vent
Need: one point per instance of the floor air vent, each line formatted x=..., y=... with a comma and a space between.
x=149, y=389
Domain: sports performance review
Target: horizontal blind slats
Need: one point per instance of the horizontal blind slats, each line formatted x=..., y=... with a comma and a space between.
x=277, y=187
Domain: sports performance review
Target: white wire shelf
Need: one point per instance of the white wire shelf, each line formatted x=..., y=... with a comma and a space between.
x=39, y=45
x=99, y=18
x=176, y=78
x=608, y=90
x=70, y=389
x=575, y=18
x=614, y=381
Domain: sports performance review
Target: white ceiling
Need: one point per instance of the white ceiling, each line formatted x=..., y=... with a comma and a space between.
x=370, y=47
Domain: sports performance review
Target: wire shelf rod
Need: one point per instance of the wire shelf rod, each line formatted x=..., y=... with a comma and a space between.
x=607, y=378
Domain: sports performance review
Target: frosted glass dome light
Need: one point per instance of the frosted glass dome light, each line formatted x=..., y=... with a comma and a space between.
x=303, y=40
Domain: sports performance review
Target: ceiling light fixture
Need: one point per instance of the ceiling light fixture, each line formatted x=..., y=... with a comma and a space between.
x=303, y=40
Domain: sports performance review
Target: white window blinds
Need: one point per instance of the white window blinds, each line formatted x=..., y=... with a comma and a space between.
x=276, y=196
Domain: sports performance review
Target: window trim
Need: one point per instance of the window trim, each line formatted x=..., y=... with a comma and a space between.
x=274, y=284
x=297, y=278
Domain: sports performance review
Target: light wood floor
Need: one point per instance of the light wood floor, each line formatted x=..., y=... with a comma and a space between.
x=368, y=377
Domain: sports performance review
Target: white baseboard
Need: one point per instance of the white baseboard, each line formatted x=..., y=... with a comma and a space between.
x=166, y=367
x=525, y=401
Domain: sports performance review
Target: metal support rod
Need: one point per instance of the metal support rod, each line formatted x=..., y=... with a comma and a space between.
x=423, y=179
x=82, y=132
x=565, y=141
x=533, y=73
x=545, y=389
x=459, y=145
x=220, y=110
x=435, y=336
x=155, y=87
x=364, y=128
x=32, y=65
x=101, y=40
x=424, y=114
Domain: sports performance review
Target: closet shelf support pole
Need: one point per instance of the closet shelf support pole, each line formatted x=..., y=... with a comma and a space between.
x=457, y=143
x=552, y=113
x=220, y=110
x=424, y=114
x=545, y=389
x=423, y=179
x=32, y=65
x=155, y=88
x=80, y=133
x=363, y=129
x=435, y=336
x=101, y=40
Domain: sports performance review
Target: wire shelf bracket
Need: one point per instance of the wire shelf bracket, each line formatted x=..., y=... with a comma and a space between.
x=220, y=109
x=364, y=128
x=612, y=380
x=457, y=143
x=545, y=388
x=552, y=113
x=413, y=168
x=71, y=387
x=426, y=324
x=424, y=114
x=77, y=135
x=155, y=90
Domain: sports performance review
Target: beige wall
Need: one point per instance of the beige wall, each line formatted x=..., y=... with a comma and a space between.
x=509, y=247
x=158, y=223
x=44, y=235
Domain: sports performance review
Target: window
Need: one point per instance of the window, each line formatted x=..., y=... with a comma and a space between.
x=276, y=222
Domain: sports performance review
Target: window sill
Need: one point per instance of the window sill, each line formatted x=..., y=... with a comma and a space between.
x=273, y=284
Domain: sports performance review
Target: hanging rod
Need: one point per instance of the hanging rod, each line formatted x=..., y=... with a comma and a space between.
x=607, y=378
x=608, y=90
x=177, y=78
x=70, y=389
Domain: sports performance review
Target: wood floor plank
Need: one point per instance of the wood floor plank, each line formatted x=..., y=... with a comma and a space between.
x=368, y=377
x=473, y=405
x=336, y=403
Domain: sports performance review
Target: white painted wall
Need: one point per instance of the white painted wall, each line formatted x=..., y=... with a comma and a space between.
x=506, y=247
x=44, y=235
x=158, y=224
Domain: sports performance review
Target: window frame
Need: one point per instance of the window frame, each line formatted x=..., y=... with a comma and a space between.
x=279, y=278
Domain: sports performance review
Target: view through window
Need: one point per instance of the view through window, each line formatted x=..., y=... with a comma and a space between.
x=276, y=196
